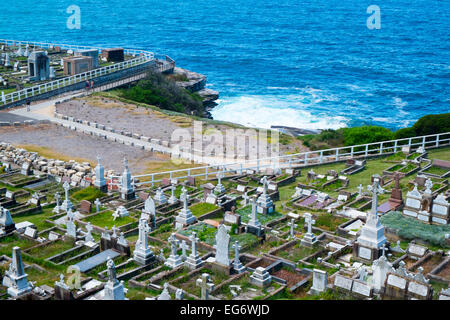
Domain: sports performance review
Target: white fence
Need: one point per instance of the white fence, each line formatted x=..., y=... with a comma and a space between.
x=143, y=57
x=301, y=159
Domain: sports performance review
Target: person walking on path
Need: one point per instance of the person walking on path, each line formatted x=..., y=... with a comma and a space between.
x=92, y=85
x=87, y=85
x=28, y=106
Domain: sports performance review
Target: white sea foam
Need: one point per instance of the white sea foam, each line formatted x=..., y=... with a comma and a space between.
x=266, y=110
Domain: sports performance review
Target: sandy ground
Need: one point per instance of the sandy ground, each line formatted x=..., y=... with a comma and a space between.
x=120, y=116
x=148, y=122
x=68, y=143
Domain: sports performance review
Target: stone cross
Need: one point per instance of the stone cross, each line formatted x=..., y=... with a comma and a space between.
x=66, y=187
x=161, y=255
x=383, y=248
x=97, y=204
x=116, y=215
x=292, y=225
x=376, y=189
x=397, y=180
x=360, y=190
x=194, y=241
x=114, y=229
x=205, y=285
x=174, y=243
x=310, y=221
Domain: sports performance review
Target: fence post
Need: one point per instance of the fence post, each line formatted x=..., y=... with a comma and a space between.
x=381, y=148
x=395, y=146
x=337, y=154
x=423, y=142
x=351, y=152
x=367, y=150
x=306, y=159
x=321, y=157
x=206, y=173
x=153, y=179
x=437, y=140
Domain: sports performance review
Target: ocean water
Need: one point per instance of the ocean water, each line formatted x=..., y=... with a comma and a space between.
x=308, y=64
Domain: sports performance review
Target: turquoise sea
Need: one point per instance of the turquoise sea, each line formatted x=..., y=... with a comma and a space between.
x=308, y=64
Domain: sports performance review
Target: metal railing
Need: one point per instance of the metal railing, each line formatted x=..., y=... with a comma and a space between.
x=143, y=57
x=303, y=159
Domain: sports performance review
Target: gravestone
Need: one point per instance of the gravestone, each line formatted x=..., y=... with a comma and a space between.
x=265, y=204
x=126, y=188
x=100, y=181
x=31, y=232
x=320, y=278
x=85, y=206
x=6, y=222
x=174, y=259
x=114, y=290
x=142, y=253
x=160, y=197
x=309, y=239
x=26, y=168
x=194, y=260
x=237, y=264
x=261, y=277
x=15, y=278
x=206, y=286
x=222, y=246
x=185, y=216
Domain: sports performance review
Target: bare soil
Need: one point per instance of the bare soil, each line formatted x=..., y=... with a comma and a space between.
x=65, y=144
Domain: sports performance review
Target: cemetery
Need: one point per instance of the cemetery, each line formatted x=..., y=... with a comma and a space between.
x=359, y=228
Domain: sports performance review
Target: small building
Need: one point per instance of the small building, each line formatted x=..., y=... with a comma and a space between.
x=113, y=54
x=76, y=65
x=89, y=53
x=38, y=66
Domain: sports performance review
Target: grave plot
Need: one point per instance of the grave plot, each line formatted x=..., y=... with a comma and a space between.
x=430, y=262
x=18, y=180
x=10, y=241
x=329, y=221
x=143, y=279
x=442, y=271
x=106, y=219
x=361, y=203
x=207, y=234
x=38, y=219
x=270, y=243
x=248, y=291
x=51, y=249
x=294, y=251
x=264, y=219
x=208, y=210
x=188, y=281
x=410, y=228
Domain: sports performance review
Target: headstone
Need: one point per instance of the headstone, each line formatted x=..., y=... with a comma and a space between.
x=160, y=198
x=114, y=290
x=142, y=253
x=194, y=260
x=309, y=239
x=222, y=246
x=165, y=295
x=174, y=259
x=6, y=222
x=15, y=278
x=185, y=216
x=67, y=204
x=70, y=225
x=85, y=206
x=320, y=278
x=261, y=277
x=237, y=264
x=265, y=204
x=205, y=285
x=100, y=181
x=126, y=188
x=39, y=66
x=31, y=232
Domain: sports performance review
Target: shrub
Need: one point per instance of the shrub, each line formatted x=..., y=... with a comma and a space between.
x=162, y=92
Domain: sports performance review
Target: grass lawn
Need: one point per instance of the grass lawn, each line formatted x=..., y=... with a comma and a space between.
x=105, y=219
x=51, y=249
x=436, y=170
x=89, y=194
x=202, y=208
x=441, y=154
x=262, y=218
